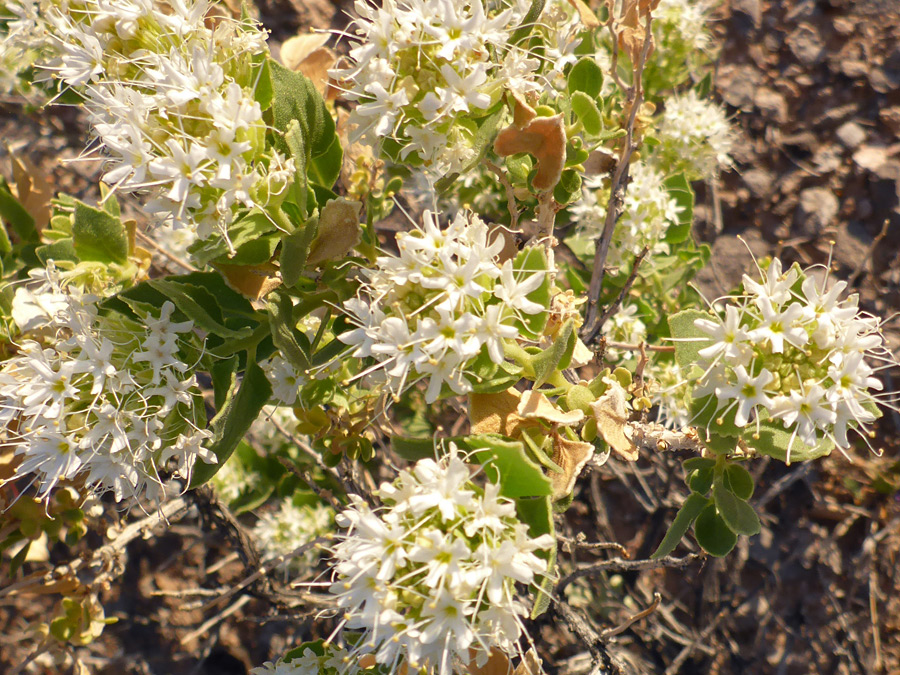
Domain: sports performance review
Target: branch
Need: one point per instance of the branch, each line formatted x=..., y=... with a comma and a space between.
x=635, y=98
x=620, y=565
x=629, y=282
x=510, y=193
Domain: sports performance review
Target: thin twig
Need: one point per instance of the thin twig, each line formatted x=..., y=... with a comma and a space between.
x=614, y=306
x=616, y=630
x=620, y=565
x=266, y=567
x=634, y=98
x=218, y=618
x=868, y=257
x=159, y=249
x=510, y=193
x=626, y=346
x=601, y=661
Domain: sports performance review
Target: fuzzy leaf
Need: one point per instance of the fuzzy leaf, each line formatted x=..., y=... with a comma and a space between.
x=686, y=515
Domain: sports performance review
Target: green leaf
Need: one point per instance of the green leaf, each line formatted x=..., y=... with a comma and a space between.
x=738, y=515
x=739, y=481
x=242, y=406
x=568, y=189
x=223, y=373
x=264, y=92
x=296, y=143
x=687, y=338
x=251, y=227
x=720, y=425
x=257, y=251
x=713, y=535
x=698, y=463
x=489, y=377
x=505, y=461
x=284, y=333
x=63, y=249
x=326, y=168
x=198, y=304
x=296, y=98
x=555, y=357
x=99, y=236
x=718, y=444
x=294, y=251
x=704, y=86
x=587, y=77
x=528, y=22
x=680, y=190
x=700, y=480
x=774, y=440
x=588, y=113
x=15, y=215
x=686, y=515
x=537, y=514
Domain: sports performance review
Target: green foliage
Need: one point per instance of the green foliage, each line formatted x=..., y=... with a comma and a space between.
x=585, y=77
x=242, y=405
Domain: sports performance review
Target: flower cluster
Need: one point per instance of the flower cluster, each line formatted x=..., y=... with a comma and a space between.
x=282, y=531
x=695, y=137
x=172, y=104
x=648, y=211
x=22, y=43
x=790, y=350
x=671, y=395
x=444, y=301
x=421, y=70
x=325, y=660
x=682, y=26
x=430, y=579
x=102, y=399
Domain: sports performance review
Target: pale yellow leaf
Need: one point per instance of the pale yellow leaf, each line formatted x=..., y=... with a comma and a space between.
x=570, y=456
x=611, y=414
x=534, y=404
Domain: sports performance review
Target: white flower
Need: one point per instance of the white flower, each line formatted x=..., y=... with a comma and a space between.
x=89, y=406
x=695, y=137
x=442, y=302
x=797, y=358
x=430, y=577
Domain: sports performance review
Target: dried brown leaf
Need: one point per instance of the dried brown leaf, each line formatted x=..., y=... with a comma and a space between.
x=494, y=413
x=611, y=414
x=33, y=190
x=534, y=405
x=339, y=231
x=587, y=16
x=307, y=54
x=254, y=281
x=542, y=137
x=570, y=456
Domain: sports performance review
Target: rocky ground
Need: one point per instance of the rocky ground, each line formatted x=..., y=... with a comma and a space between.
x=814, y=88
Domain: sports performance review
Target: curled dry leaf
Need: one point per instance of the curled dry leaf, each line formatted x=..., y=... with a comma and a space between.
x=570, y=456
x=307, y=54
x=32, y=189
x=254, y=281
x=495, y=413
x=542, y=137
x=339, y=231
x=534, y=404
x=587, y=16
x=611, y=414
